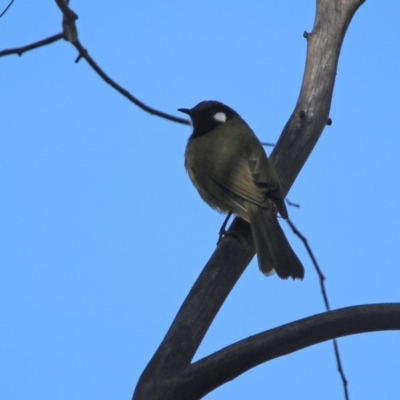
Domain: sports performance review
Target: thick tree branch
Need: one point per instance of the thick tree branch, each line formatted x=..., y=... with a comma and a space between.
x=234, y=360
x=161, y=378
x=311, y=113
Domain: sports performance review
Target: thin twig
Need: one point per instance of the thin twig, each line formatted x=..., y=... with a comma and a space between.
x=20, y=50
x=84, y=54
x=314, y=261
x=71, y=35
x=291, y=204
x=340, y=369
x=325, y=297
x=5, y=10
x=268, y=144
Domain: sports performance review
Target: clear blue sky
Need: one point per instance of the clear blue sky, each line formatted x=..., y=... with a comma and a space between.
x=102, y=233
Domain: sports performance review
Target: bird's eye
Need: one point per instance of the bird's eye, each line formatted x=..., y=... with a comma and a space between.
x=220, y=116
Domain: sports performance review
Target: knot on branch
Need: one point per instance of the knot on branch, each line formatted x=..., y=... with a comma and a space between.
x=302, y=114
x=70, y=33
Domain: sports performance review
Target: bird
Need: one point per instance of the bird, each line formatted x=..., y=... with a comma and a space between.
x=230, y=169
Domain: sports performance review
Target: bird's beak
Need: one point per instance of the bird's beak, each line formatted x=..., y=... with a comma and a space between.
x=185, y=110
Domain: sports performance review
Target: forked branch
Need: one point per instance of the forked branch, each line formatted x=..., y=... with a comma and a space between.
x=163, y=377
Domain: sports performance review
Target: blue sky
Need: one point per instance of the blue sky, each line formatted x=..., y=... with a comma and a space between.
x=102, y=233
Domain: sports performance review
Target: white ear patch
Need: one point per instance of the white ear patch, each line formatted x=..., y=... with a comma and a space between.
x=220, y=116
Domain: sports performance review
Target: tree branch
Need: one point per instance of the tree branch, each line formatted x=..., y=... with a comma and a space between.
x=340, y=369
x=84, y=54
x=321, y=276
x=71, y=35
x=161, y=378
x=234, y=360
x=68, y=13
x=325, y=297
x=20, y=50
x=5, y=10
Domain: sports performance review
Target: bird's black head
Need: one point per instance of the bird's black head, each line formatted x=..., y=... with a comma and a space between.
x=207, y=115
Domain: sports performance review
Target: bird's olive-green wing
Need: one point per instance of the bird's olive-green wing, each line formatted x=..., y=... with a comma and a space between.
x=218, y=196
x=249, y=174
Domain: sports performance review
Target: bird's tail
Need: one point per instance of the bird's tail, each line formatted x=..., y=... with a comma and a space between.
x=273, y=249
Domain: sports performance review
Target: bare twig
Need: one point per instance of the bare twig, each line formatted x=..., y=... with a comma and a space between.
x=325, y=297
x=20, y=50
x=71, y=35
x=291, y=204
x=340, y=369
x=84, y=54
x=5, y=10
x=314, y=261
